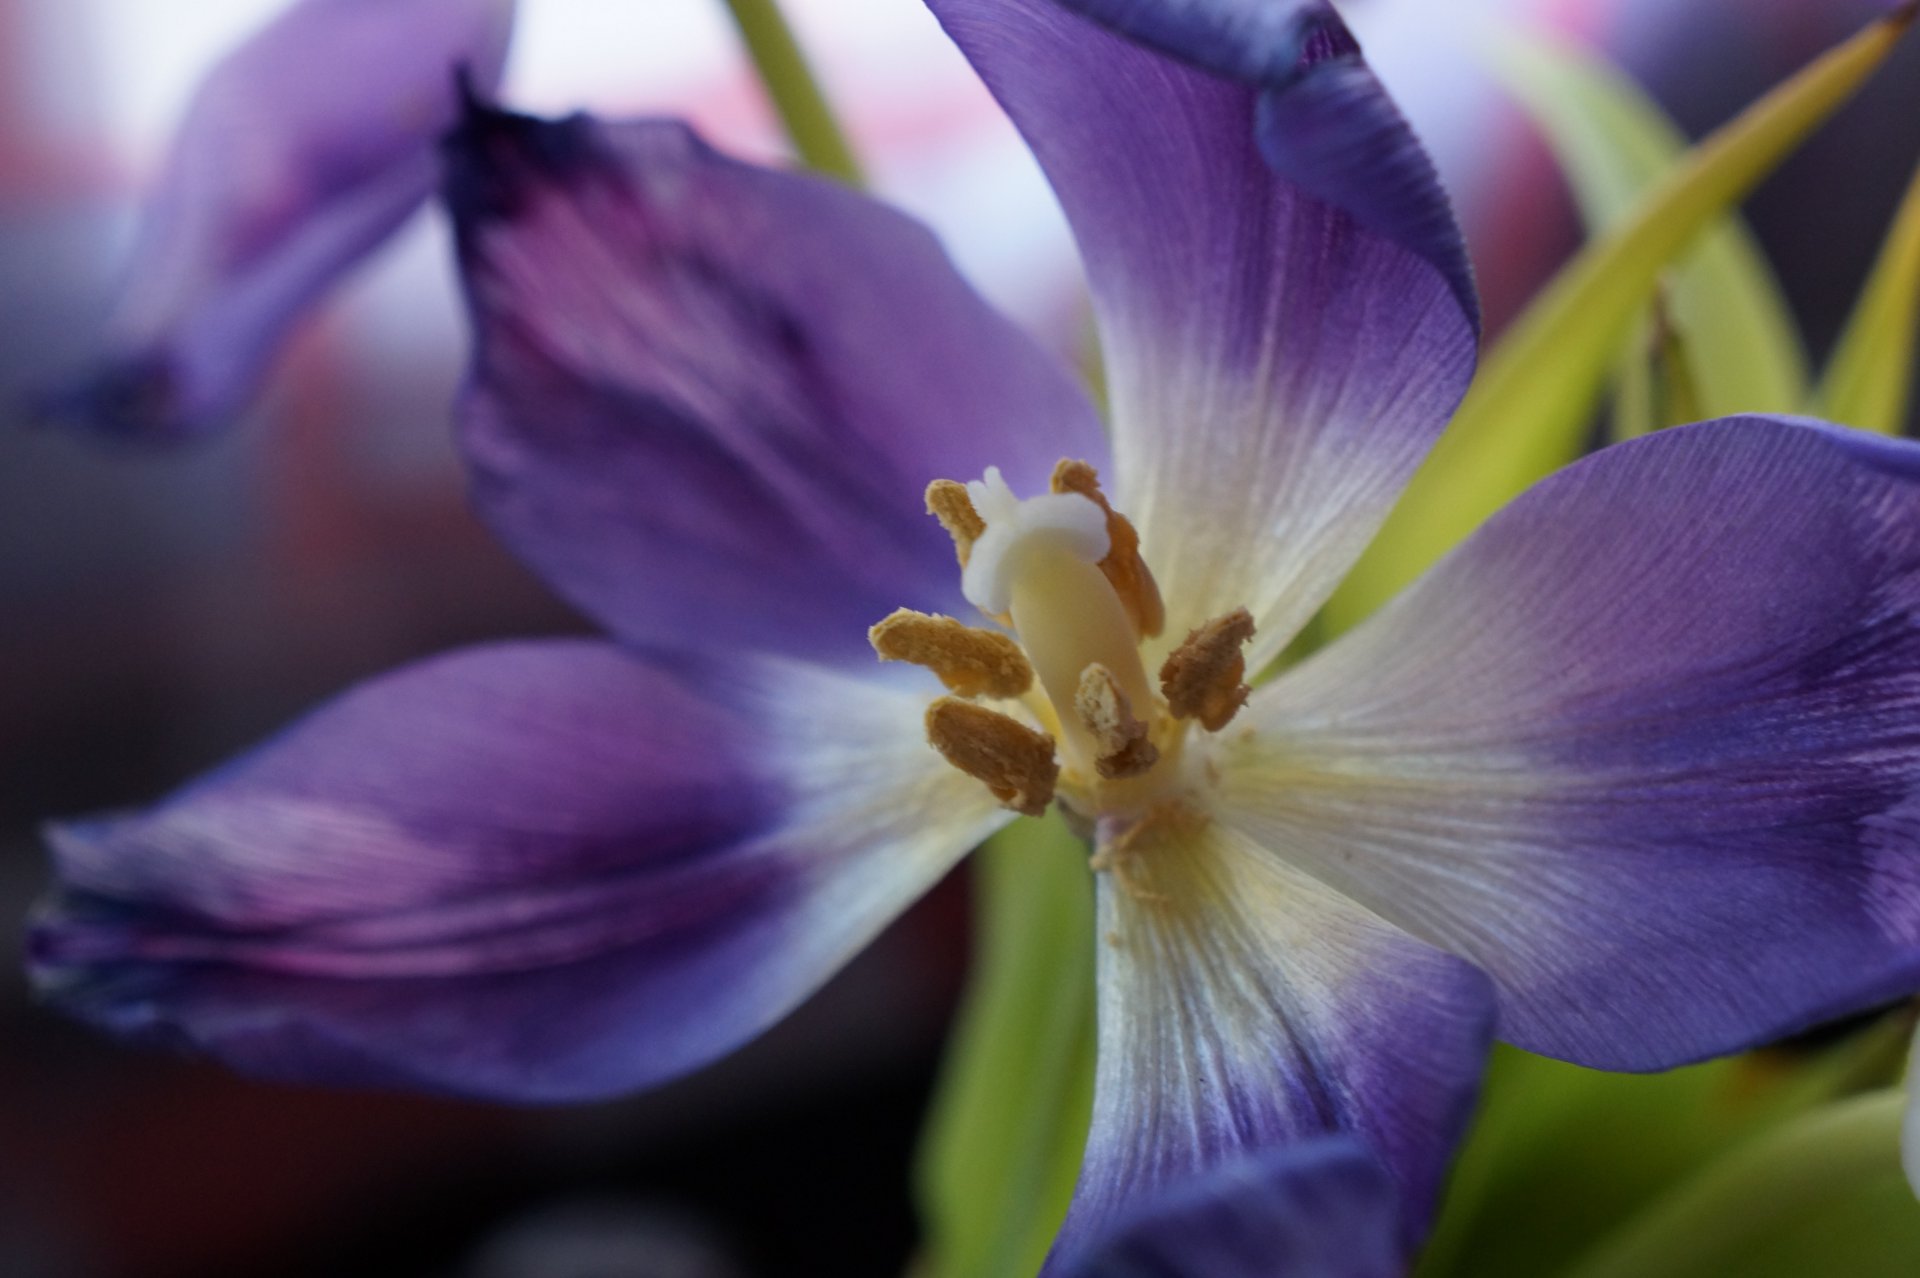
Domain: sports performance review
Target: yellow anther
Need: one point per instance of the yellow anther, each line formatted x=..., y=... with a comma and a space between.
x=1125, y=750
x=970, y=661
x=1124, y=567
x=947, y=501
x=1204, y=677
x=1014, y=761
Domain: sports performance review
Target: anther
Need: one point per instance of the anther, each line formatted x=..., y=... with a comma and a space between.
x=1204, y=677
x=947, y=501
x=970, y=661
x=1123, y=566
x=1124, y=748
x=1014, y=761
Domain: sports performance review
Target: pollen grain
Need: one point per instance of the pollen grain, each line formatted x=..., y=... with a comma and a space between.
x=972, y=662
x=1124, y=854
x=1204, y=678
x=1015, y=762
x=1125, y=747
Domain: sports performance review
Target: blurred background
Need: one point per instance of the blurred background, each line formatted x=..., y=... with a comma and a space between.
x=162, y=609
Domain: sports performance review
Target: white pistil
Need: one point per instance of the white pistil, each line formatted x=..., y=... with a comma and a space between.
x=1015, y=530
x=1038, y=562
x=1069, y=618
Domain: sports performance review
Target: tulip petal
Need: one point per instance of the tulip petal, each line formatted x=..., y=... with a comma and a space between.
x=1646, y=748
x=537, y=871
x=1322, y=1209
x=282, y=178
x=1244, y=1006
x=709, y=397
x=1283, y=298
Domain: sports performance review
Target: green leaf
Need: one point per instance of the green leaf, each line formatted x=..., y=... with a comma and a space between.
x=1822, y=1194
x=1560, y=1156
x=1009, y=1122
x=1870, y=377
x=1526, y=413
x=1658, y=382
x=1724, y=340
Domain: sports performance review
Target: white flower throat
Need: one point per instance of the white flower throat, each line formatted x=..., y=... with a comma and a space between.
x=1062, y=571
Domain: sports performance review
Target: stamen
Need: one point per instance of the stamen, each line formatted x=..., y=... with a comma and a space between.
x=1014, y=761
x=1103, y=708
x=947, y=501
x=1203, y=678
x=1124, y=567
x=970, y=661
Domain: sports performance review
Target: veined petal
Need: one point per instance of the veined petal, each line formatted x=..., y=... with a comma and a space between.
x=709, y=397
x=301, y=153
x=1646, y=748
x=1243, y=1006
x=1321, y=1209
x=538, y=871
x=1283, y=299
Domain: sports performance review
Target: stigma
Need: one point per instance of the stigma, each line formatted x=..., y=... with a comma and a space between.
x=1052, y=699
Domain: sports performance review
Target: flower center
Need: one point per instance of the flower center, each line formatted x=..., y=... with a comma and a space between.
x=1063, y=572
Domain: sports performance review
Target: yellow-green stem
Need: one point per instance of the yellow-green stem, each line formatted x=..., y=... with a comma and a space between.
x=809, y=121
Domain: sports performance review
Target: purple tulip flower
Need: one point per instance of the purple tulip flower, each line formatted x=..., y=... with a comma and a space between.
x=301, y=153
x=1629, y=776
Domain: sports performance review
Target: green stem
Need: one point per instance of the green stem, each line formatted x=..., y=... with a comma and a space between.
x=803, y=109
x=1009, y=1120
x=1787, y=1174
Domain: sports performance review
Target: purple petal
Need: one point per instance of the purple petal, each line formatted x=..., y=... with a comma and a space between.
x=1324, y=123
x=1244, y=1007
x=710, y=396
x=1646, y=748
x=1283, y=298
x=1321, y=1209
x=540, y=871
x=301, y=153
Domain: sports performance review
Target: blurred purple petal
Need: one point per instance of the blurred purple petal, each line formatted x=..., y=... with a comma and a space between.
x=1244, y=1007
x=1320, y=1209
x=301, y=153
x=1646, y=748
x=1283, y=299
x=709, y=397
x=538, y=871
